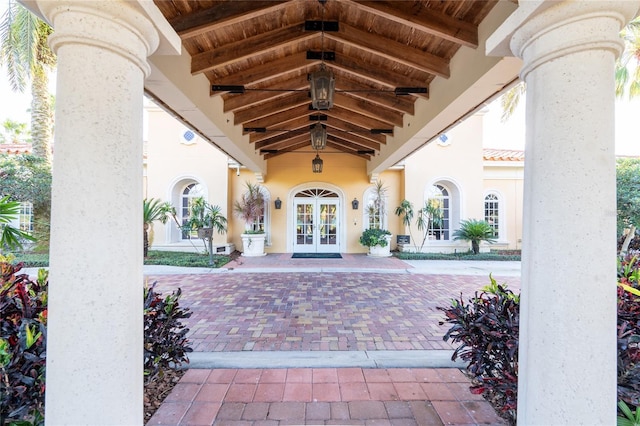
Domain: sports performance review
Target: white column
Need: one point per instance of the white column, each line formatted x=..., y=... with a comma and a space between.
x=567, y=370
x=94, y=353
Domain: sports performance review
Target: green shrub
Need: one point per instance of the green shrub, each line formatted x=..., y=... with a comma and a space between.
x=374, y=237
x=468, y=255
x=155, y=257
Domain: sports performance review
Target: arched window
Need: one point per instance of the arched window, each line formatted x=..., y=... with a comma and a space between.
x=492, y=213
x=437, y=212
x=374, y=211
x=189, y=193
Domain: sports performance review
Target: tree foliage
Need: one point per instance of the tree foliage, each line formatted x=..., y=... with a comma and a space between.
x=628, y=194
x=628, y=65
x=25, y=53
x=14, y=132
x=27, y=178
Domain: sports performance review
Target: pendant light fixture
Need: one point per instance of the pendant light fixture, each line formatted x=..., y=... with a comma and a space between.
x=322, y=82
x=316, y=164
x=318, y=136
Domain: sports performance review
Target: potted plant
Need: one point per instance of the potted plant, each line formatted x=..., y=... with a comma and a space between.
x=378, y=241
x=475, y=231
x=376, y=238
x=205, y=218
x=250, y=208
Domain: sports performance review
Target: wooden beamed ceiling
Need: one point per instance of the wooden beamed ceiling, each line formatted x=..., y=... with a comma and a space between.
x=378, y=47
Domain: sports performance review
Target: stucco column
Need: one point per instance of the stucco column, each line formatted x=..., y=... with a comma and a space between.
x=94, y=353
x=567, y=371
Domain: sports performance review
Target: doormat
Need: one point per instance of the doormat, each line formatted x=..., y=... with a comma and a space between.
x=316, y=256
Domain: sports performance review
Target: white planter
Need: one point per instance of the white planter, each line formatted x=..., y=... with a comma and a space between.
x=378, y=251
x=253, y=245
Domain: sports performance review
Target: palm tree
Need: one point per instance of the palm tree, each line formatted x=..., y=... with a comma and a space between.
x=475, y=231
x=628, y=65
x=154, y=210
x=510, y=100
x=13, y=132
x=27, y=57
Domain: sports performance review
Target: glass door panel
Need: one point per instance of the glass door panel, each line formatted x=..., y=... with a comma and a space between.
x=316, y=222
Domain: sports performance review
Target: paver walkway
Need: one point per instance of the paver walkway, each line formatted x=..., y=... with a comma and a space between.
x=326, y=396
x=320, y=309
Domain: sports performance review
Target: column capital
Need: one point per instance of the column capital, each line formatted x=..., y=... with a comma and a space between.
x=114, y=25
x=541, y=31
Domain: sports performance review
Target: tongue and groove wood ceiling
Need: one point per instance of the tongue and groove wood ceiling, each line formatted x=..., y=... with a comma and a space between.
x=377, y=47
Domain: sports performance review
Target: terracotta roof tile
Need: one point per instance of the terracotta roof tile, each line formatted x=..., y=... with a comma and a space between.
x=502, y=155
x=15, y=148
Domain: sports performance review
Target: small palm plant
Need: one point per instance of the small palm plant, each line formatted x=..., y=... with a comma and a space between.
x=628, y=417
x=154, y=210
x=475, y=231
x=11, y=237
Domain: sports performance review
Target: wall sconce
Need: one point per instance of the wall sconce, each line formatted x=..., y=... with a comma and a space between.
x=355, y=203
x=278, y=203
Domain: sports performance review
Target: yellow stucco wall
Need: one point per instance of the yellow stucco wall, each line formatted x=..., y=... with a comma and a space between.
x=458, y=165
x=171, y=164
x=290, y=173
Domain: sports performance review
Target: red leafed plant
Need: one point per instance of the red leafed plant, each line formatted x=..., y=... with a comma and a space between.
x=486, y=329
x=23, y=345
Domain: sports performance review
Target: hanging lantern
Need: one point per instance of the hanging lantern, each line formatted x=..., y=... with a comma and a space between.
x=323, y=85
x=316, y=164
x=318, y=137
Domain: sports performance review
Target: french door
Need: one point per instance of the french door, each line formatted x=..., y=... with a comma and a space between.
x=316, y=222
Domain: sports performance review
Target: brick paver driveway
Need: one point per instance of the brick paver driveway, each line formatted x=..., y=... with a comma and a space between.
x=319, y=311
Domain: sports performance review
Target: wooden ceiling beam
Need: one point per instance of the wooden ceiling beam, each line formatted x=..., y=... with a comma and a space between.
x=425, y=20
x=285, y=150
x=391, y=50
x=390, y=116
x=246, y=48
x=353, y=143
x=357, y=119
x=279, y=118
x=274, y=138
x=368, y=94
x=343, y=126
x=382, y=76
x=346, y=149
x=273, y=106
x=292, y=140
x=234, y=102
x=293, y=125
x=221, y=15
x=268, y=70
